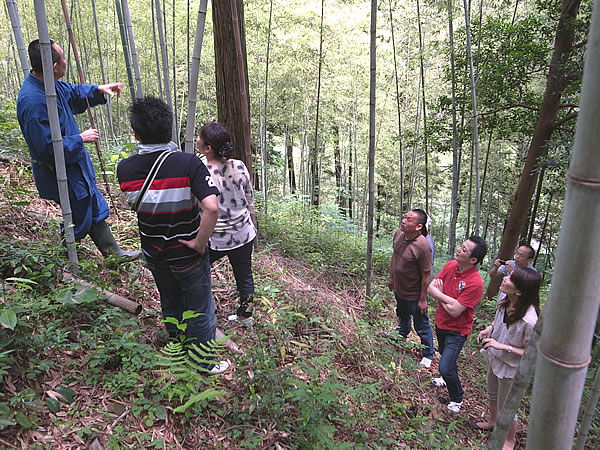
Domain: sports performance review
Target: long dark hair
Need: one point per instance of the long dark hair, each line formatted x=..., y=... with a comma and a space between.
x=218, y=137
x=527, y=281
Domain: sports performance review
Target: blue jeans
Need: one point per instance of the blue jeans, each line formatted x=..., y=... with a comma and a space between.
x=405, y=310
x=450, y=344
x=241, y=262
x=184, y=288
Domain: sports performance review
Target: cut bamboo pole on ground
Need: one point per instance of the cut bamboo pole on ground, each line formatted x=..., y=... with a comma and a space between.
x=111, y=297
x=230, y=344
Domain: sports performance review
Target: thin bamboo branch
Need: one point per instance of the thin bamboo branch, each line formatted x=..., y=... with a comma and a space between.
x=89, y=110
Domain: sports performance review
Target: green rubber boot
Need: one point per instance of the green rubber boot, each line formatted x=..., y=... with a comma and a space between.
x=105, y=241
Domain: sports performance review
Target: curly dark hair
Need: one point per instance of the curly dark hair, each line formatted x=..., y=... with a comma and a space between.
x=527, y=281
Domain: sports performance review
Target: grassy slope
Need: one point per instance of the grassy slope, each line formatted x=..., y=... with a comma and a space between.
x=314, y=373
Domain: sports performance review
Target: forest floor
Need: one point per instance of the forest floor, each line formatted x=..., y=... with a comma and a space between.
x=313, y=370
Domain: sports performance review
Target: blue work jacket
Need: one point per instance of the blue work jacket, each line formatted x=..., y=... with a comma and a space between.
x=35, y=125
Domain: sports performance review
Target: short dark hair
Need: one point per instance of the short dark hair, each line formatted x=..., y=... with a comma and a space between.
x=422, y=220
x=217, y=136
x=530, y=248
x=35, y=55
x=480, y=249
x=151, y=119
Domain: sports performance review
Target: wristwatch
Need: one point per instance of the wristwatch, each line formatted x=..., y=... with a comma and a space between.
x=509, y=349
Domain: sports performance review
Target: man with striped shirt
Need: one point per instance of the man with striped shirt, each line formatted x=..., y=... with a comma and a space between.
x=176, y=203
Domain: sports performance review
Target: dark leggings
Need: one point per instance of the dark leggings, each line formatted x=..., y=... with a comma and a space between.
x=240, y=259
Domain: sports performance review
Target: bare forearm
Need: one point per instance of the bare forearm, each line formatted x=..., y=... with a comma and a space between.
x=207, y=225
x=424, y=285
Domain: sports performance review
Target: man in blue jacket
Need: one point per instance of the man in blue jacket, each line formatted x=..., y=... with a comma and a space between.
x=88, y=206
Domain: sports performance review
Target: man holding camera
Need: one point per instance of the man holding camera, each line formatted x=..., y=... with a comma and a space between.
x=523, y=258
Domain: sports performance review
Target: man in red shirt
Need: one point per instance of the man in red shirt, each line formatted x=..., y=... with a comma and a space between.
x=457, y=288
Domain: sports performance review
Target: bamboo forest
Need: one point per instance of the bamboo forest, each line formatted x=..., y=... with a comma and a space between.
x=284, y=224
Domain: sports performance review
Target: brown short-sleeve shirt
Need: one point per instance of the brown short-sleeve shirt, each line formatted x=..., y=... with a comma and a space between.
x=410, y=259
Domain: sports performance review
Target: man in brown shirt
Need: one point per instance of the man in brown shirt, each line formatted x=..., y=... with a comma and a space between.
x=410, y=272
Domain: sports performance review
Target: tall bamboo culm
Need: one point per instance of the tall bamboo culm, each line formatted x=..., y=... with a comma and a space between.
x=134, y=56
x=125, y=44
x=372, y=86
x=57, y=144
x=193, y=83
x=16, y=26
x=572, y=306
x=165, y=64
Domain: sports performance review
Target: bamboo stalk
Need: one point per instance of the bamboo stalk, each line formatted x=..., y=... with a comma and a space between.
x=193, y=82
x=571, y=310
x=51, y=104
x=134, y=55
x=16, y=26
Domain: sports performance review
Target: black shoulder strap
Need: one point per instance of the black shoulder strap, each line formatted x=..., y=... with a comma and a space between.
x=150, y=178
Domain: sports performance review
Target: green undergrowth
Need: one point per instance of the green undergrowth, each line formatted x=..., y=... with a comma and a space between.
x=320, y=378
x=60, y=340
x=322, y=238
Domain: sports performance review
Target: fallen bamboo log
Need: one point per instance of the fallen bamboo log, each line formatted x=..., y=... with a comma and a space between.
x=112, y=298
x=229, y=344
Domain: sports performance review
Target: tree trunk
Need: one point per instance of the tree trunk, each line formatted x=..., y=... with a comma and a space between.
x=555, y=84
x=231, y=74
x=372, y=85
x=572, y=306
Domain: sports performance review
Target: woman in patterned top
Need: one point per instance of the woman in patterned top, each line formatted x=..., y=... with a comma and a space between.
x=234, y=233
x=505, y=340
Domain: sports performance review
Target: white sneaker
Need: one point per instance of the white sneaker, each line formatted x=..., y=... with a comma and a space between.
x=454, y=407
x=439, y=382
x=426, y=362
x=246, y=322
x=220, y=367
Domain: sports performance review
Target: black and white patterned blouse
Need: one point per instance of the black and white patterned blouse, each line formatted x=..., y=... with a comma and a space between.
x=234, y=226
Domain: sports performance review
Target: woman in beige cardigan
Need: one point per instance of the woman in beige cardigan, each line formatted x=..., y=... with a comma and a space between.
x=505, y=339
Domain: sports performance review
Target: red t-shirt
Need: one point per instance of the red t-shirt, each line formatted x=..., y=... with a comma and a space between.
x=467, y=288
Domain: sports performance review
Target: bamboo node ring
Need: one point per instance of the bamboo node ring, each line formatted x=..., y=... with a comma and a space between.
x=591, y=182
x=564, y=364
